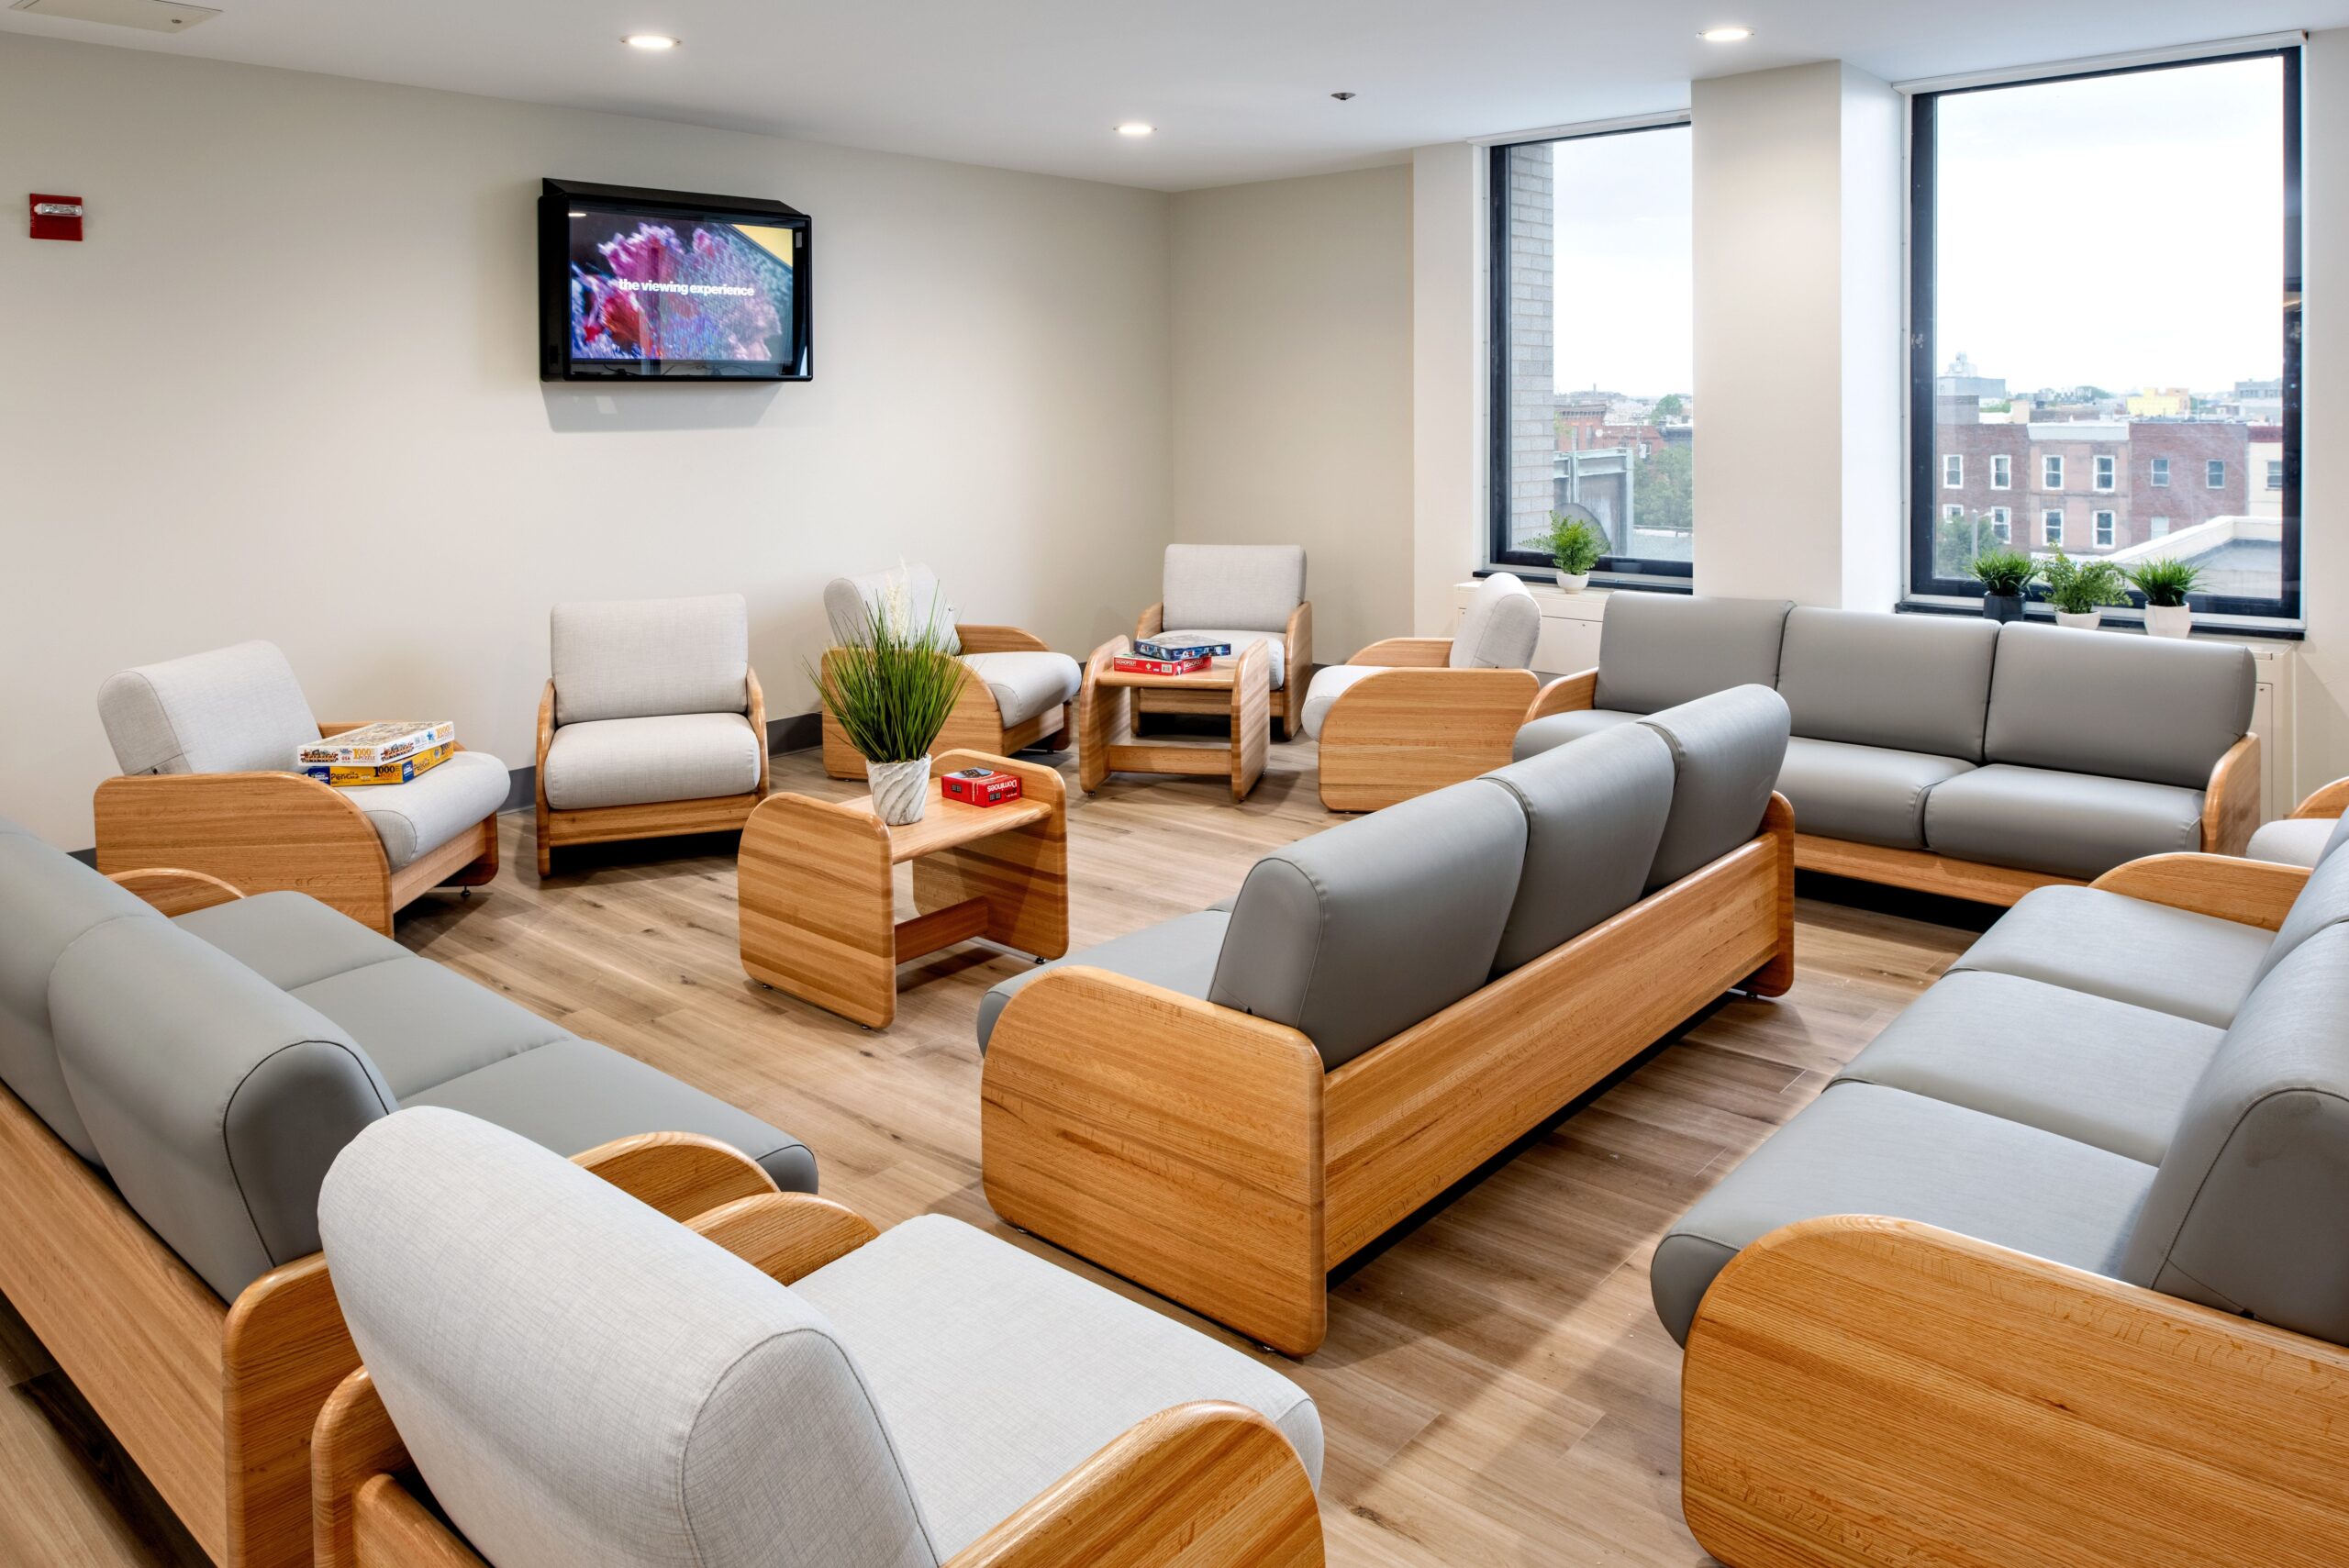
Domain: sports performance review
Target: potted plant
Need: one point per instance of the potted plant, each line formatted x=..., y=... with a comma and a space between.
x=2078, y=590
x=2165, y=583
x=2004, y=575
x=891, y=693
x=1574, y=547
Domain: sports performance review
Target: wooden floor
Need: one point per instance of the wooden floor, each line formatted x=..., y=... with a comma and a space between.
x=1495, y=1386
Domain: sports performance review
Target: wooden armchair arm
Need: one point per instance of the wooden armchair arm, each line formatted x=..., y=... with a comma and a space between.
x=260, y=832
x=1298, y=637
x=787, y=1236
x=2231, y=803
x=1402, y=732
x=1151, y=622
x=756, y=713
x=2326, y=800
x=1207, y=1471
x=1567, y=694
x=683, y=1175
x=1866, y=1390
x=1407, y=654
x=1000, y=639
x=2255, y=892
x=174, y=891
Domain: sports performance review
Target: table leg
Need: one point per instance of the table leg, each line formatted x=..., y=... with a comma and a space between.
x=1104, y=716
x=1251, y=713
x=1022, y=874
x=816, y=911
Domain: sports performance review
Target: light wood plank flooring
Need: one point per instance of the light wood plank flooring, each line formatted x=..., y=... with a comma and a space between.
x=1496, y=1387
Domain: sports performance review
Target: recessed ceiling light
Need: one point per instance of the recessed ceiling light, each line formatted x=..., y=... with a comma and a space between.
x=1135, y=128
x=653, y=42
x=1726, y=35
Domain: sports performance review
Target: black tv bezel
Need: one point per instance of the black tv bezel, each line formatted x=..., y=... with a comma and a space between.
x=556, y=199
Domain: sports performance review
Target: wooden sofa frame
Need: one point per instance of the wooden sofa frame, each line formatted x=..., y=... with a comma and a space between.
x=215, y=1400
x=266, y=831
x=652, y=819
x=1417, y=725
x=1297, y=674
x=1206, y=1484
x=1209, y=1155
x=977, y=724
x=2230, y=812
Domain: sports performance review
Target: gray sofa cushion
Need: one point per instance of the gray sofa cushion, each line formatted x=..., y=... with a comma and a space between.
x=2250, y=1212
x=2128, y=707
x=580, y=1379
x=2322, y=902
x=1539, y=736
x=572, y=1095
x=911, y=596
x=1727, y=750
x=2077, y=825
x=633, y=658
x=1870, y=795
x=1909, y=683
x=1331, y=682
x=1594, y=814
x=1499, y=628
x=663, y=757
x=421, y=1024
x=2091, y=1069
x=2293, y=841
x=2148, y=955
x=1355, y=934
x=1863, y=1150
x=49, y=900
x=1247, y=587
x=289, y=938
x=1175, y=955
x=1659, y=649
x=1025, y=683
x=216, y=1099
x=998, y=1372
x=414, y=818
x=233, y=710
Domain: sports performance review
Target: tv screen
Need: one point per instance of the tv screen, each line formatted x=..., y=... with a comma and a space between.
x=638, y=285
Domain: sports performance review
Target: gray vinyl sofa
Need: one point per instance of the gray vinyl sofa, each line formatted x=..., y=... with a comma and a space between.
x=1950, y=753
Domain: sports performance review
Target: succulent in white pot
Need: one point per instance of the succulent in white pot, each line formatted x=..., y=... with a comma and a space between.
x=2078, y=591
x=1574, y=547
x=891, y=692
x=2165, y=585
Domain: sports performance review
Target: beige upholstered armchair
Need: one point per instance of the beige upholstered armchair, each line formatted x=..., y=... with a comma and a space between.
x=1238, y=593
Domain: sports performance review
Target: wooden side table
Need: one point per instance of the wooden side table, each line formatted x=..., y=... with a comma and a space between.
x=818, y=910
x=1105, y=719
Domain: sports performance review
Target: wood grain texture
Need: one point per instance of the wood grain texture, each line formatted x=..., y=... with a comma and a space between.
x=354, y=1441
x=1284, y=702
x=260, y=832
x=1238, y=687
x=786, y=1236
x=1169, y=1140
x=680, y=1173
x=1406, y=732
x=648, y=819
x=1202, y=1486
x=283, y=1347
x=1867, y=1393
x=2255, y=892
x=174, y=891
x=2230, y=802
x=1019, y=869
x=978, y=638
x=1921, y=870
x=1407, y=654
x=1567, y=694
x=1777, y=977
x=2330, y=800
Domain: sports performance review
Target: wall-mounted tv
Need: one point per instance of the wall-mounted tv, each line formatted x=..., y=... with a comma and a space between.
x=668, y=285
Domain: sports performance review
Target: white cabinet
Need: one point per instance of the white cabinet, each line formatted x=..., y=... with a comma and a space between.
x=1569, y=641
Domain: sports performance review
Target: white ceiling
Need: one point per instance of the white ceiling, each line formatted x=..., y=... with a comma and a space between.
x=1238, y=89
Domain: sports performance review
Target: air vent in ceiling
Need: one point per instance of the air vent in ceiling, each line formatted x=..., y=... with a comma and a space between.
x=153, y=15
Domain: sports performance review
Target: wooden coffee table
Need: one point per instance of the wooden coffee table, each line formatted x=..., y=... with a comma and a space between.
x=1105, y=719
x=817, y=903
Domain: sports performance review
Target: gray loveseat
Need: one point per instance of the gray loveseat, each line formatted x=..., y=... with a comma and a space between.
x=1956, y=755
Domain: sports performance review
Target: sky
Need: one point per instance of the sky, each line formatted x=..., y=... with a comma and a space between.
x=2124, y=231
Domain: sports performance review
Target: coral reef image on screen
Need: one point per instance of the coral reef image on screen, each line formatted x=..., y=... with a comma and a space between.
x=658, y=288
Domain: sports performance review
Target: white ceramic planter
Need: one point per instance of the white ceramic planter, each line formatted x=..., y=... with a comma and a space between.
x=1574, y=584
x=900, y=790
x=2169, y=620
x=2083, y=621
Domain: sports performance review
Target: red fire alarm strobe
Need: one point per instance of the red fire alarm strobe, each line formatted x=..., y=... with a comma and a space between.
x=56, y=217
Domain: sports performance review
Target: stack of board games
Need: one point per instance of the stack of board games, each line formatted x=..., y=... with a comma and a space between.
x=1136, y=664
x=393, y=752
x=980, y=786
x=1180, y=648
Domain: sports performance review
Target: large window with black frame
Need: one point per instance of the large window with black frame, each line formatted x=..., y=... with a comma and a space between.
x=2105, y=314
x=1592, y=419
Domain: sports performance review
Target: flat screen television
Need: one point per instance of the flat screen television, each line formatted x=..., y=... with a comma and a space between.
x=668, y=285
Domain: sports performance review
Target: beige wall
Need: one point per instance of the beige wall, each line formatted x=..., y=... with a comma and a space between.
x=288, y=389
x=2322, y=700
x=1292, y=387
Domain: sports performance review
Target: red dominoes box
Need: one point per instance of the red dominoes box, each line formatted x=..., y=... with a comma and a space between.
x=980, y=786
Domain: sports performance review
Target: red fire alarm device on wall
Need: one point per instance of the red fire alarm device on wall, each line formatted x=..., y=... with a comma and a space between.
x=56, y=217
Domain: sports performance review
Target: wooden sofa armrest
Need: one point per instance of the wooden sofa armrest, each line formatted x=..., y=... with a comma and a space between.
x=755, y=711
x=260, y=832
x=174, y=891
x=1567, y=694
x=1166, y=1138
x=683, y=1175
x=1151, y=622
x=362, y=1513
x=1298, y=652
x=1407, y=654
x=2255, y=892
x=1406, y=732
x=1862, y=1391
x=979, y=638
x=2330, y=801
x=2230, y=802
x=1206, y=1471
x=786, y=1236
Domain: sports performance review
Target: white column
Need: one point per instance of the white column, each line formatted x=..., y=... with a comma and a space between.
x=1448, y=378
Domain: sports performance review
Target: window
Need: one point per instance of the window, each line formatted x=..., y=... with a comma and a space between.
x=1954, y=512
x=2002, y=523
x=1954, y=471
x=1591, y=311
x=2091, y=350
x=2002, y=473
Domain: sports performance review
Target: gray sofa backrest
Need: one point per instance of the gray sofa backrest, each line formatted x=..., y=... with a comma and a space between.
x=650, y=657
x=2323, y=901
x=233, y=710
x=581, y=1380
x=49, y=900
x=1658, y=649
x=910, y=597
x=1595, y=810
x=1727, y=750
x=2249, y=1211
x=2128, y=707
x=1909, y=683
x=1233, y=587
x=216, y=1100
x=1355, y=934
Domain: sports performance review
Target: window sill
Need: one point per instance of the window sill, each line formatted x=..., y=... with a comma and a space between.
x=2129, y=624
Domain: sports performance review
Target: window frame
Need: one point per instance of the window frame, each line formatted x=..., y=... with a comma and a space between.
x=2002, y=523
x=1953, y=471
x=2104, y=527
x=1923, y=192
x=2157, y=472
x=2104, y=474
x=2214, y=474
x=2002, y=471
x=2051, y=514
x=2050, y=472
x=2275, y=474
